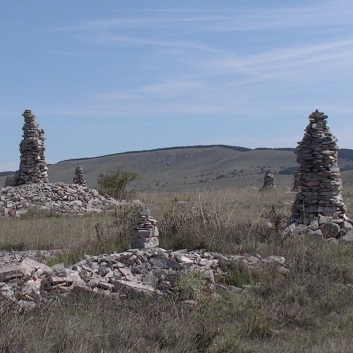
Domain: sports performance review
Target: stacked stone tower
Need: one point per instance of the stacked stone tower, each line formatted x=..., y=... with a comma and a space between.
x=269, y=181
x=79, y=177
x=33, y=167
x=319, y=201
x=145, y=234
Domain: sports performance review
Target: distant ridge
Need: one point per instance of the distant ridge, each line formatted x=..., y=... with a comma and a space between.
x=6, y=173
x=236, y=148
x=199, y=167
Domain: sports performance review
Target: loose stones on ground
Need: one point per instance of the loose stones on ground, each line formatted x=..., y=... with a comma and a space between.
x=56, y=197
x=149, y=271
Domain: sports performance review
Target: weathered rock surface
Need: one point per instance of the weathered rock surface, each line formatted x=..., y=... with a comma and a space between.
x=149, y=271
x=57, y=197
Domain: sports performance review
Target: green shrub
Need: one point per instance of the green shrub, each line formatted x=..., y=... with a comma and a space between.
x=115, y=184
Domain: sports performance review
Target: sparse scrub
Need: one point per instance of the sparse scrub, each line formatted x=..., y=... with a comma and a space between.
x=308, y=309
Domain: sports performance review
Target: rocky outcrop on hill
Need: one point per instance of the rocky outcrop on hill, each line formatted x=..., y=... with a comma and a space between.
x=155, y=271
x=56, y=197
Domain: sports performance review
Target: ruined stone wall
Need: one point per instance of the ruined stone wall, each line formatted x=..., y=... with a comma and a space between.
x=33, y=167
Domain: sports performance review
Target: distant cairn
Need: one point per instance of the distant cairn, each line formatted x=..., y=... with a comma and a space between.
x=269, y=181
x=319, y=204
x=33, y=167
x=296, y=181
x=79, y=177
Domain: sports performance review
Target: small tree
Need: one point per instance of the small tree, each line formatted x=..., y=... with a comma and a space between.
x=115, y=184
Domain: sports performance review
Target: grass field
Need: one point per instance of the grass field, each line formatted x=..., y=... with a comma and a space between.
x=308, y=310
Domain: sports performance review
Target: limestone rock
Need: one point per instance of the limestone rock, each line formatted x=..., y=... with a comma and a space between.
x=151, y=271
x=59, y=198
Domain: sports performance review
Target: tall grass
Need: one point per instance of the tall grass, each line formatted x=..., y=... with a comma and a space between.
x=308, y=309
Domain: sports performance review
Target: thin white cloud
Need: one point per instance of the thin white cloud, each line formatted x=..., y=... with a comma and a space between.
x=286, y=62
x=119, y=96
x=111, y=39
x=233, y=18
x=174, y=88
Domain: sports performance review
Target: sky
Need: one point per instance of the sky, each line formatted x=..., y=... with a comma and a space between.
x=113, y=76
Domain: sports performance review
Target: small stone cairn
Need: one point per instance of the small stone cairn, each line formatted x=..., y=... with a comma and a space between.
x=145, y=234
x=79, y=177
x=318, y=207
x=33, y=167
x=269, y=181
x=296, y=181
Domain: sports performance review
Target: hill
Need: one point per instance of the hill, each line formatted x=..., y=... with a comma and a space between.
x=194, y=167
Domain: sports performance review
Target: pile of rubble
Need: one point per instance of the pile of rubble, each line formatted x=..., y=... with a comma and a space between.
x=150, y=271
x=56, y=197
x=33, y=167
x=318, y=206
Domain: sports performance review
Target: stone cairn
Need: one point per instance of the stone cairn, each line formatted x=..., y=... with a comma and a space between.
x=33, y=167
x=269, y=181
x=79, y=177
x=145, y=234
x=296, y=181
x=318, y=206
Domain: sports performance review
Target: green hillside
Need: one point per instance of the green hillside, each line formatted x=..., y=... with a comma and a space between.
x=190, y=168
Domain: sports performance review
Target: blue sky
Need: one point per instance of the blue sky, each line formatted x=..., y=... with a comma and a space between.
x=112, y=76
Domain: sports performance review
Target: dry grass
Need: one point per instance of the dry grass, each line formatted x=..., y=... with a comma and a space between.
x=308, y=310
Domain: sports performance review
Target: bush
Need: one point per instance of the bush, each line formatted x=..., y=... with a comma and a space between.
x=115, y=184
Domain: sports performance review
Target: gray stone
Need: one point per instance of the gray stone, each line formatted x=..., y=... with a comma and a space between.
x=163, y=262
x=319, y=199
x=330, y=230
x=33, y=167
x=269, y=181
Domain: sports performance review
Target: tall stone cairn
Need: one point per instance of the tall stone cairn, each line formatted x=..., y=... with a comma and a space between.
x=145, y=234
x=79, y=177
x=33, y=167
x=269, y=181
x=319, y=204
